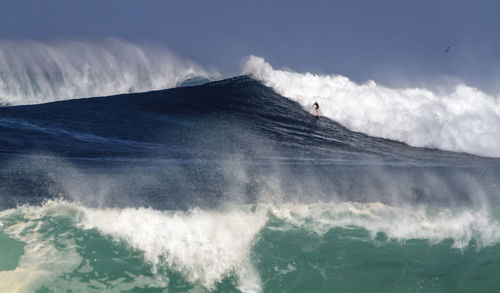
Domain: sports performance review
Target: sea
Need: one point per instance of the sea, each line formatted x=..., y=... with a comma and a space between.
x=126, y=169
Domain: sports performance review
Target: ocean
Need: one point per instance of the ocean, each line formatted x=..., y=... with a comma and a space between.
x=234, y=185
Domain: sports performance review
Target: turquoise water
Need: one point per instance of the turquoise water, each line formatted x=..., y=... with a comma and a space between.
x=341, y=261
x=324, y=247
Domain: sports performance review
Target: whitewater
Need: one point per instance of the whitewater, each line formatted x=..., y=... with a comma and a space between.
x=206, y=246
x=464, y=120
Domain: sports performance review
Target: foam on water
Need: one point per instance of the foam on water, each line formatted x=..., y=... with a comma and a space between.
x=465, y=120
x=206, y=246
x=402, y=223
x=43, y=260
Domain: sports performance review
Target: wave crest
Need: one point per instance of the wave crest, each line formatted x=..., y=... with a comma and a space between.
x=465, y=120
x=33, y=72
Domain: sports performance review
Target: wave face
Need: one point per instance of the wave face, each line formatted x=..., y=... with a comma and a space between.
x=465, y=120
x=33, y=72
x=230, y=187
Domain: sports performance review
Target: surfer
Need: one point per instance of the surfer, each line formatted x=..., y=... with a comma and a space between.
x=447, y=49
x=316, y=108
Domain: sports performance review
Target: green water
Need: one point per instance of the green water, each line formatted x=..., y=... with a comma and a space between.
x=52, y=251
x=343, y=261
x=11, y=251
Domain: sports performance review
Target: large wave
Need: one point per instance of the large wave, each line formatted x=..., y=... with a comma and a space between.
x=465, y=120
x=33, y=72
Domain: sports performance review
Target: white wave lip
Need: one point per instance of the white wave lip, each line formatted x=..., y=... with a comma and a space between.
x=33, y=72
x=466, y=120
x=206, y=246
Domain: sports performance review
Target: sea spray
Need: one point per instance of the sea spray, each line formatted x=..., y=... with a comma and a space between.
x=34, y=72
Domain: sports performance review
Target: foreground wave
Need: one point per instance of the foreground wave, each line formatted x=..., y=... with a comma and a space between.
x=66, y=245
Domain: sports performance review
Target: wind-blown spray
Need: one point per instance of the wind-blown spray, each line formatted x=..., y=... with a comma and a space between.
x=33, y=72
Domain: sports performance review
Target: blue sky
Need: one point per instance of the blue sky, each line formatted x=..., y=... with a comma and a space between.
x=394, y=42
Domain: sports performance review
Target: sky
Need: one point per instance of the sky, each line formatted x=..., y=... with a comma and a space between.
x=396, y=42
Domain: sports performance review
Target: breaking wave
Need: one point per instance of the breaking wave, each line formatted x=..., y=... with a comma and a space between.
x=464, y=120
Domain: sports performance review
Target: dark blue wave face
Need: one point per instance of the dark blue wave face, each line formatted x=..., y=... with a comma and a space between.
x=233, y=140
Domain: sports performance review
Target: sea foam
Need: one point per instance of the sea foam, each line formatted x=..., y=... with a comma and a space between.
x=205, y=246
x=463, y=226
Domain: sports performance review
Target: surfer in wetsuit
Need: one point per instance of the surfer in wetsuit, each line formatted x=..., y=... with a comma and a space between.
x=316, y=108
